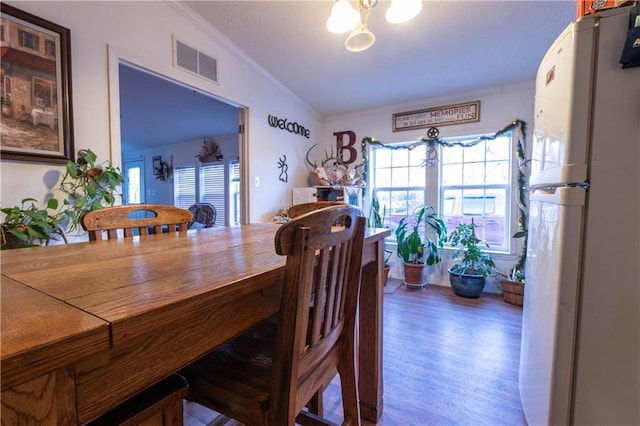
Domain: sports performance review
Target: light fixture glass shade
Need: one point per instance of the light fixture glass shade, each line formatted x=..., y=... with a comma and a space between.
x=343, y=17
x=360, y=39
x=403, y=10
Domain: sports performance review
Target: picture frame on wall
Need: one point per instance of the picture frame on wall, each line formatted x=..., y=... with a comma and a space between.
x=35, y=82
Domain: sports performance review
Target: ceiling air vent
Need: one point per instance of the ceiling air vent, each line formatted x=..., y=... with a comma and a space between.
x=193, y=60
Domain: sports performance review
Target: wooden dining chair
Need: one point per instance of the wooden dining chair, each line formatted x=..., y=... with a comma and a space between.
x=161, y=403
x=108, y=222
x=268, y=374
x=300, y=209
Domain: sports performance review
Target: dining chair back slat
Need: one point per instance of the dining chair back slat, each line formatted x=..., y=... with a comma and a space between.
x=111, y=222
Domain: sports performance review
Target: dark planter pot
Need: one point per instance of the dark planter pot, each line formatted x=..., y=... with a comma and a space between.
x=12, y=242
x=465, y=285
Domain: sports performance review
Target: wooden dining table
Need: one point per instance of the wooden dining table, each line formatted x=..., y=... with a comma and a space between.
x=87, y=325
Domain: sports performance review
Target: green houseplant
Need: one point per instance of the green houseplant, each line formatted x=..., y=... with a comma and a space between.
x=418, y=236
x=89, y=186
x=377, y=220
x=27, y=225
x=512, y=285
x=467, y=276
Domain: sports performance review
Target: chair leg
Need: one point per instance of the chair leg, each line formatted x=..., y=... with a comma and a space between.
x=316, y=404
x=349, y=385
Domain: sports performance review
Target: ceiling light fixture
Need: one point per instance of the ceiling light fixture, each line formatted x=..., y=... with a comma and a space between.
x=345, y=18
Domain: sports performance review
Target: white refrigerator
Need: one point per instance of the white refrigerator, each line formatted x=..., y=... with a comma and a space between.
x=580, y=351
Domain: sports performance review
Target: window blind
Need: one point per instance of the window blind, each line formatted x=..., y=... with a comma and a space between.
x=212, y=189
x=184, y=187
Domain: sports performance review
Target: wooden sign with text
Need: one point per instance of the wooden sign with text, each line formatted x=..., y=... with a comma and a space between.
x=441, y=116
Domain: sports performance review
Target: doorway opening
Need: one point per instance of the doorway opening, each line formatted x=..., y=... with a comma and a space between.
x=153, y=115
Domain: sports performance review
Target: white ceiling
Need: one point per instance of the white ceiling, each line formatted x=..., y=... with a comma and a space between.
x=155, y=111
x=451, y=47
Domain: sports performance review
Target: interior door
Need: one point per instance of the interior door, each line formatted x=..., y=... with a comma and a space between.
x=133, y=190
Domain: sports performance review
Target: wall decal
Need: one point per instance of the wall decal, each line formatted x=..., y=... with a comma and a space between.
x=346, y=147
x=282, y=165
x=291, y=126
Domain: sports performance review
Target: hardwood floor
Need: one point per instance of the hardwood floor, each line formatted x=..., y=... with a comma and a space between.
x=447, y=361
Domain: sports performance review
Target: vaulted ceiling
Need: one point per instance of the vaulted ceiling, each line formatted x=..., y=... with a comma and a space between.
x=450, y=47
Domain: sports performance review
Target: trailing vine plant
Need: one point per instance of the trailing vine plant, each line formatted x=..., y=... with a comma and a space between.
x=89, y=186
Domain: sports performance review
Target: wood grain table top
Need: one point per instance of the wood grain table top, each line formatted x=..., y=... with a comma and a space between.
x=65, y=303
x=40, y=333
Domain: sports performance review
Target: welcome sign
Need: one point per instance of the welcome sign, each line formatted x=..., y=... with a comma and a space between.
x=442, y=116
x=290, y=126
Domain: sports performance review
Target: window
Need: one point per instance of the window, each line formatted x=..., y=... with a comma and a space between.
x=184, y=187
x=212, y=188
x=133, y=190
x=474, y=182
x=44, y=93
x=398, y=181
x=50, y=47
x=28, y=40
x=215, y=183
x=234, y=192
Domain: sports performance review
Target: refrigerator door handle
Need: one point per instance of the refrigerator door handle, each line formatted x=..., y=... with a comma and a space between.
x=565, y=195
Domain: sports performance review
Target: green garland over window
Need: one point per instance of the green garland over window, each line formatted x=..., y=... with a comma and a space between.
x=519, y=128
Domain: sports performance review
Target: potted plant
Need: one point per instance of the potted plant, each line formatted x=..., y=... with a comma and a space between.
x=27, y=225
x=7, y=111
x=89, y=186
x=512, y=285
x=467, y=277
x=418, y=236
x=376, y=220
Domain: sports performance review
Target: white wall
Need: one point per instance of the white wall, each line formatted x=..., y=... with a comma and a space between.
x=499, y=106
x=184, y=154
x=141, y=33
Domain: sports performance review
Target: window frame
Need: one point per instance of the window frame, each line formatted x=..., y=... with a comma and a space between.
x=433, y=190
x=508, y=188
x=28, y=40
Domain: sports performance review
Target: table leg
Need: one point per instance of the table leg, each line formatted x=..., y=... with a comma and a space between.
x=370, y=337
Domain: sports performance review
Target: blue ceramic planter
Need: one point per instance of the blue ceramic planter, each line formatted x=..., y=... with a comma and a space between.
x=465, y=285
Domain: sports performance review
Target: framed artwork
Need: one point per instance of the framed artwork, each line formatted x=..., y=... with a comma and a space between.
x=36, y=89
